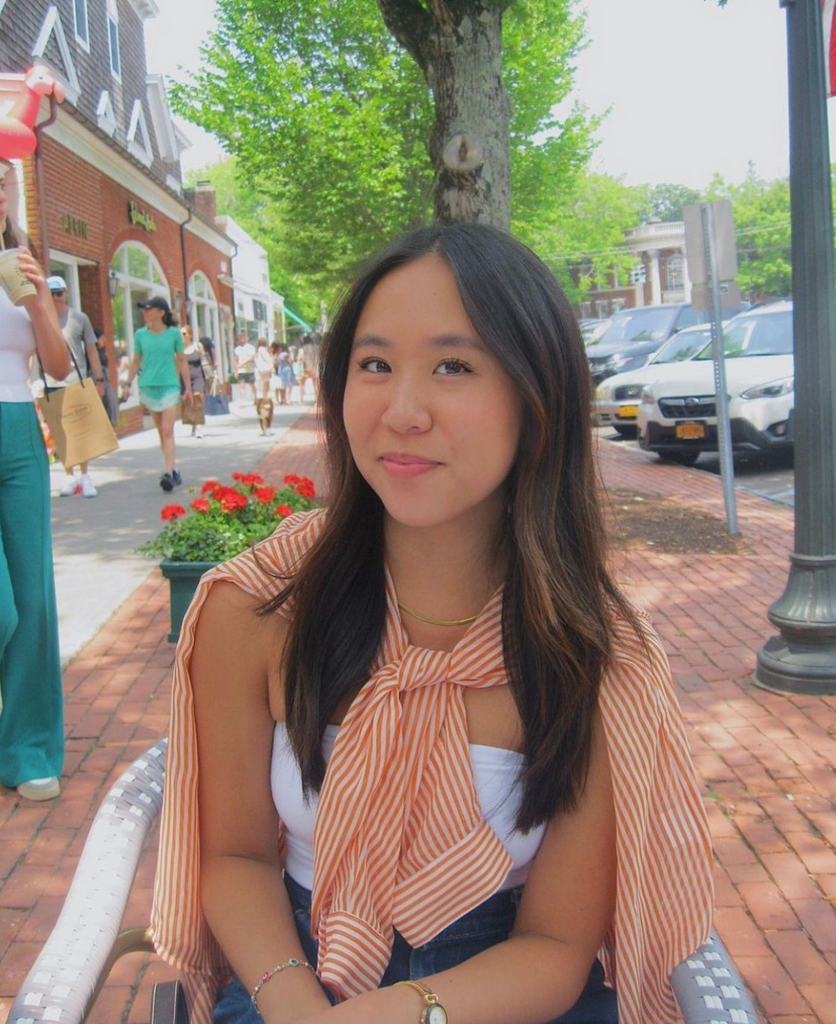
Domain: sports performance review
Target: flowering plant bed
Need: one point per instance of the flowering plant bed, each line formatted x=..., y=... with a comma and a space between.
x=222, y=521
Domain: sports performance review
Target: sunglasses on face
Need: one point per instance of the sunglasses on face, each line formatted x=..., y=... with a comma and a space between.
x=59, y=294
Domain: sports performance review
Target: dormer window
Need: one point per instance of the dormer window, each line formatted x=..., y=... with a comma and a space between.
x=139, y=141
x=113, y=39
x=82, y=27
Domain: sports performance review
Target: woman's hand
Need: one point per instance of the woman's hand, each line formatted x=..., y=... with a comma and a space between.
x=31, y=270
x=53, y=352
x=189, y=396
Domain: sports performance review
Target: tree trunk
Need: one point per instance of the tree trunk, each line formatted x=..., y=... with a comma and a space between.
x=458, y=45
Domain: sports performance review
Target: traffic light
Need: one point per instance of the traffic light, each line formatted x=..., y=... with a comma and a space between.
x=638, y=274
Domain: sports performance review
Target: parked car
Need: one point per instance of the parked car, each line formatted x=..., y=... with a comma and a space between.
x=677, y=413
x=637, y=334
x=592, y=329
x=616, y=402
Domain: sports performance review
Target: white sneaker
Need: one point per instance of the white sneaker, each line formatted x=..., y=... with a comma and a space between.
x=40, y=789
x=69, y=487
x=87, y=488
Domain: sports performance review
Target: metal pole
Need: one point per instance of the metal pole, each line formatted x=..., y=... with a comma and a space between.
x=721, y=400
x=802, y=659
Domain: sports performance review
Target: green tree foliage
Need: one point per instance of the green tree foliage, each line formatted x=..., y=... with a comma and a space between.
x=330, y=119
x=263, y=219
x=668, y=201
x=585, y=247
x=762, y=224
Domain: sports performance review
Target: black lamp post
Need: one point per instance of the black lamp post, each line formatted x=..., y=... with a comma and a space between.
x=802, y=659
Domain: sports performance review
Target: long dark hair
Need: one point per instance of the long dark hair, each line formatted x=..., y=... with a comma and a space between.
x=559, y=599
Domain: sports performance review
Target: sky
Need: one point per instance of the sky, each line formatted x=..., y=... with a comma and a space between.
x=692, y=89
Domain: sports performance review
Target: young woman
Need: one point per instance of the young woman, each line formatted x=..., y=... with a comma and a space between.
x=265, y=367
x=464, y=736
x=198, y=363
x=159, y=362
x=32, y=700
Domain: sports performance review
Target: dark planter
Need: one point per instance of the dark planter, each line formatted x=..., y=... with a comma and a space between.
x=183, y=578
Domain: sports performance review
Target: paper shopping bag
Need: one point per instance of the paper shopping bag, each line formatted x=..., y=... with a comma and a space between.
x=78, y=422
x=194, y=413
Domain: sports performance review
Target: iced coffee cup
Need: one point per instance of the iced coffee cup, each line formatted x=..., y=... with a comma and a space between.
x=14, y=282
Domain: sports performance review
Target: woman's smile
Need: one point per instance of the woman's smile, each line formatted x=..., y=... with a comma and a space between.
x=406, y=467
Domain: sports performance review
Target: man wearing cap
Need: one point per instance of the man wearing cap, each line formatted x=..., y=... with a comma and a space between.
x=160, y=364
x=81, y=339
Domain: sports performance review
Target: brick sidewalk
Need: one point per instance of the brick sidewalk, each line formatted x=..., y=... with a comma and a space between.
x=768, y=762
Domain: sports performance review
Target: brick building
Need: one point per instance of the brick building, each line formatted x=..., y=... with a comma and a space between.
x=103, y=200
x=660, y=272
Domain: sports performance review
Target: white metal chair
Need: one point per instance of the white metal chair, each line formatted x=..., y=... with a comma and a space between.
x=86, y=940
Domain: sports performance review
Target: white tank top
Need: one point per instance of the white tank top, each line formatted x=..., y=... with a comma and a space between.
x=496, y=774
x=17, y=346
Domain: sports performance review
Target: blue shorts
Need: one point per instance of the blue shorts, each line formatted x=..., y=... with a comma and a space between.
x=483, y=927
x=155, y=399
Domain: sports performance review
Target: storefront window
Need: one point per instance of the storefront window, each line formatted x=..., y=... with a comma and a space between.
x=138, y=263
x=204, y=316
x=139, y=276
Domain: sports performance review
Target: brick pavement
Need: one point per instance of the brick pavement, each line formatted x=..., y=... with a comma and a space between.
x=768, y=762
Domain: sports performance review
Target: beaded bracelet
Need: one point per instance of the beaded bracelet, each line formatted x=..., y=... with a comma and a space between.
x=292, y=962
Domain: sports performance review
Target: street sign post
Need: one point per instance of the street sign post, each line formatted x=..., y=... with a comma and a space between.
x=712, y=263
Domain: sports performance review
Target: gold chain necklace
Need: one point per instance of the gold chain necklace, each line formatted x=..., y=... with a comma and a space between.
x=437, y=622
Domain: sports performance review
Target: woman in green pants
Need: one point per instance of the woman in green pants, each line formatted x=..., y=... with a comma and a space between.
x=32, y=719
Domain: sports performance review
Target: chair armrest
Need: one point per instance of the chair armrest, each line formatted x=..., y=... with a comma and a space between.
x=708, y=988
x=76, y=958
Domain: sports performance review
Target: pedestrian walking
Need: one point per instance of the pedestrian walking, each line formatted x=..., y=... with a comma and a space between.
x=200, y=370
x=32, y=715
x=109, y=398
x=244, y=361
x=160, y=364
x=433, y=691
x=81, y=339
x=264, y=368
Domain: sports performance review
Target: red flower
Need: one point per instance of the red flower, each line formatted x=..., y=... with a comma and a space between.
x=265, y=494
x=284, y=510
x=292, y=479
x=248, y=479
x=233, y=500
x=305, y=488
x=201, y=505
x=172, y=512
x=210, y=485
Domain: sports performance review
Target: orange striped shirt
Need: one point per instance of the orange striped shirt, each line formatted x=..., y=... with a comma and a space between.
x=400, y=841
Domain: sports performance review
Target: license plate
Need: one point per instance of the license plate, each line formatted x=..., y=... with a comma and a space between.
x=628, y=412
x=690, y=431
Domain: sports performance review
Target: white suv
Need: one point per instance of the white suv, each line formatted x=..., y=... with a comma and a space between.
x=677, y=414
x=616, y=402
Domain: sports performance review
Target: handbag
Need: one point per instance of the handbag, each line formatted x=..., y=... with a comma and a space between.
x=78, y=421
x=168, y=1003
x=193, y=413
x=217, y=404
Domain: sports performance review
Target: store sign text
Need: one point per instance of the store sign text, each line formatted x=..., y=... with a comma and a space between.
x=74, y=226
x=141, y=217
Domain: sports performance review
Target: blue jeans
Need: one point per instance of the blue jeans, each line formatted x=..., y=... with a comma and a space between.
x=483, y=927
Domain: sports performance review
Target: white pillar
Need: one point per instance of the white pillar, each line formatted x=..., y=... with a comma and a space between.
x=655, y=279
x=686, y=280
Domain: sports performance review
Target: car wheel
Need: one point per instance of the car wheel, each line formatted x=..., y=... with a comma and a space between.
x=625, y=431
x=680, y=458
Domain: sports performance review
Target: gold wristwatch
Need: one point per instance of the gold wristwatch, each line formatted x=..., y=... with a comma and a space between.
x=433, y=1012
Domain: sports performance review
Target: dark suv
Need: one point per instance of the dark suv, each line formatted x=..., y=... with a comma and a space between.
x=637, y=334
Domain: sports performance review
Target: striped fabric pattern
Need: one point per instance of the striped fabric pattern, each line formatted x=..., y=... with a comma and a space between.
x=399, y=829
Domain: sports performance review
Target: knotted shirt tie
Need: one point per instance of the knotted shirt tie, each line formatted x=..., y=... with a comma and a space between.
x=400, y=841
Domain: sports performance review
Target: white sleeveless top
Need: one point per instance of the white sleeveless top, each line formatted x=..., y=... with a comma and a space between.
x=17, y=346
x=496, y=774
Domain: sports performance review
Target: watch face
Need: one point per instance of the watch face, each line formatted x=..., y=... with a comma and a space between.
x=435, y=1014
